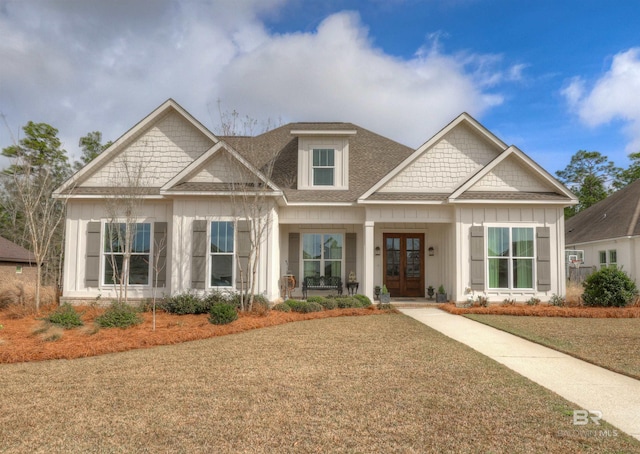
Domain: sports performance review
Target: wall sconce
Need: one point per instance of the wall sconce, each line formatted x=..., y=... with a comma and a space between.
x=377, y=250
x=432, y=251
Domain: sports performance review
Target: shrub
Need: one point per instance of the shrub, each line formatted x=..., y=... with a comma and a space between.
x=282, y=307
x=533, y=301
x=222, y=314
x=316, y=299
x=607, y=287
x=185, y=303
x=65, y=316
x=327, y=303
x=364, y=300
x=304, y=306
x=345, y=302
x=119, y=315
x=557, y=300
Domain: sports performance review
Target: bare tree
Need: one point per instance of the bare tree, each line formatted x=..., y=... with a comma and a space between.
x=252, y=200
x=123, y=208
x=159, y=246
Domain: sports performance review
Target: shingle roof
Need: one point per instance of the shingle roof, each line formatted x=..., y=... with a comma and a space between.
x=371, y=157
x=508, y=195
x=614, y=217
x=11, y=252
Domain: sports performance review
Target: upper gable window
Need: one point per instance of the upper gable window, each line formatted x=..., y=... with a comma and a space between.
x=323, y=159
x=323, y=166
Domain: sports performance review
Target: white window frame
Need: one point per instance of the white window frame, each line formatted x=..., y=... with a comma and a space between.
x=510, y=257
x=213, y=254
x=607, y=255
x=339, y=143
x=322, y=259
x=315, y=167
x=104, y=254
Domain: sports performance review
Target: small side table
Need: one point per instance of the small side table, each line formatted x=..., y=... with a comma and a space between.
x=352, y=287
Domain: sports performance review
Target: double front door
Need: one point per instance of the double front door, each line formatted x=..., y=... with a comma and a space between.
x=404, y=264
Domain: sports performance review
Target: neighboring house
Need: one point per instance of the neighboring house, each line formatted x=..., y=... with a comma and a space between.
x=16, y=262
x=609, y=231
x=464, y=211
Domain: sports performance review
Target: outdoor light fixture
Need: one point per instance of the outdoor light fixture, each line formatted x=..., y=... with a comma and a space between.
x=432, y=251
x=377, y=250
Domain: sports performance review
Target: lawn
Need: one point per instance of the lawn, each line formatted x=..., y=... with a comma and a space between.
x=382, y=383
x=613, y=343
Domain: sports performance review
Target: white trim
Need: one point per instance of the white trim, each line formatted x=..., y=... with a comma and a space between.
x=533, y=258
x=234, y=254
x=462, y=118
x=103, y=254
x=116, y=147
x=323, y=132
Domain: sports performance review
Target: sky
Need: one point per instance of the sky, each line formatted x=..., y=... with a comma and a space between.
x=550, y=77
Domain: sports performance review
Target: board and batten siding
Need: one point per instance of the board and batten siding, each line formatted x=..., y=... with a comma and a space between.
x=548, y=224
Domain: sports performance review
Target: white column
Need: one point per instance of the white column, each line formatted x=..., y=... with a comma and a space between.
x=369, y=259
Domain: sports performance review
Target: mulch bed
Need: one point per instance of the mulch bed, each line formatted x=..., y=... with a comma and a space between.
x=546, y=310
x=32, y=339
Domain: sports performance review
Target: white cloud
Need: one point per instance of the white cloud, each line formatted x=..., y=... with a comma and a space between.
x=612, y=96
x=84, y=65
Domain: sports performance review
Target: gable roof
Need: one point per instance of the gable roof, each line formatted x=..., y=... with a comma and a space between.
x=11, y=252
x=614, y=217
x=119, y=145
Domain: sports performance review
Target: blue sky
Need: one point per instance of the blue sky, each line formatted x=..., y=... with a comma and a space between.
x=550, y=77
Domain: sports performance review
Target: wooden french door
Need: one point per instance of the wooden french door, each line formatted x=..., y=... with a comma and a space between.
x=404, y=264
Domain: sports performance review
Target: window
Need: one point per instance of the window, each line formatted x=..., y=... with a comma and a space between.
x=323, y=166
x=322, y=254
x=510, y=257
x=222, y=253
x=18, y=269
x=611, y=255
x=117, y=239
x=603, y=258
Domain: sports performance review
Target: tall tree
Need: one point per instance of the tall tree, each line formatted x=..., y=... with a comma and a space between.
x=91, y=146
x=630, y=174
x=590, y=176
x=39, y=166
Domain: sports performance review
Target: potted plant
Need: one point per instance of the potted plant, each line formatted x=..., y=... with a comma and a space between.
x=441, y=296
x=430, y=291
x=385, y=296
x=376, y=291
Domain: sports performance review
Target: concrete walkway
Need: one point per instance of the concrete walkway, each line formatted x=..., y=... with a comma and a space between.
x=590, y=387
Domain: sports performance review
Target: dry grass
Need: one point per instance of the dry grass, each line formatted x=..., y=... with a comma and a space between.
x=546, y=310
x=607, y=342
x=31, y=339
x=17, y=298
x=349, y=384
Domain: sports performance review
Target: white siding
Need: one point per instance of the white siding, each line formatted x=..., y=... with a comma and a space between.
x=510, y=175
x=445, y=166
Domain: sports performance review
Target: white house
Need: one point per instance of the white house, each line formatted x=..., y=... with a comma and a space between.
x=608, y=232
x=464, y=211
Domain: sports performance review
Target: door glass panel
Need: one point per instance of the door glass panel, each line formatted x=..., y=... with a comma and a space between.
x=413, y=257
x=393, y=257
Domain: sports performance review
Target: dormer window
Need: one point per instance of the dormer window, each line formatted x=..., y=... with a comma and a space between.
x=323, y=166
x=323, y=159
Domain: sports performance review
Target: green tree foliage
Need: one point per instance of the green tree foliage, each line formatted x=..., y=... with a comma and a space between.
x=91, y=146
x=590, y=176
x=609, y=286
x=40, y=150
x=31, y=217
x=630, y=174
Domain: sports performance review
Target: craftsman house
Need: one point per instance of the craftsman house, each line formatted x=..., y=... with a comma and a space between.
x=464, y=210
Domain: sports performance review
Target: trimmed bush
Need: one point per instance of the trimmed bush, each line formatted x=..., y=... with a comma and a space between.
x=65, y=316
x=364, y=300
x=222, y=314
x=282, y=307
x=609, y=287
x=185, y=303
x=557, y=300
x=316, y=299
x=304, y=306
x=345, y=302
x=328, y=303
x=314, y=307
x=119, y=315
